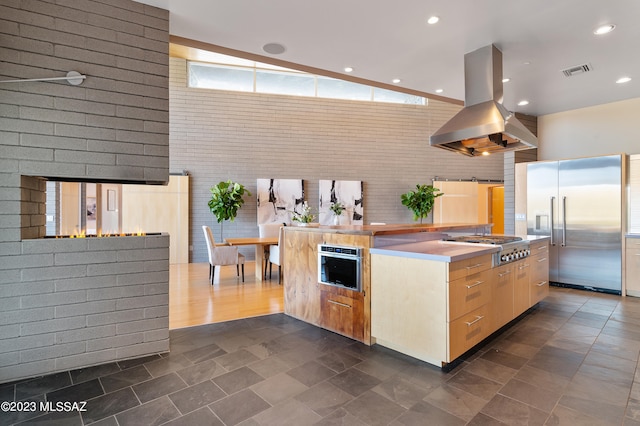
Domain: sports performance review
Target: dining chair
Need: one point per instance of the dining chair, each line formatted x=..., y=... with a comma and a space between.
x=221, y=255
x=275, y=255
x=267, y=230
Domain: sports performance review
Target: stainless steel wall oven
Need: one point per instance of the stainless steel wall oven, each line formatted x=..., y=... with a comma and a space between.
x=340, y=266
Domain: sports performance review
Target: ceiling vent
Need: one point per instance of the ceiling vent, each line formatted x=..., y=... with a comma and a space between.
x=580, y=69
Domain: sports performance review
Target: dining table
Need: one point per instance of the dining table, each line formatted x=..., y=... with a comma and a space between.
x=259, y=243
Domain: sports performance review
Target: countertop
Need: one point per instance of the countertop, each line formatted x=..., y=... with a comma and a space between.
x=443, y=251
x=391, y=229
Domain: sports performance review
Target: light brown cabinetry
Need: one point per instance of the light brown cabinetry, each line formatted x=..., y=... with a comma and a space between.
x=522, y=269
x=407, y=295
x=502, y=296
x=469, y=294
x=632, y=266
x=539, y=279
x=343, y=311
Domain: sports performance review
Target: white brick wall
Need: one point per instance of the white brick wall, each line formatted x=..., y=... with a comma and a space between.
x=219, y=135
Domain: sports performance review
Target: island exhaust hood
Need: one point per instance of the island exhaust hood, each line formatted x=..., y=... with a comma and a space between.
x=484, y=124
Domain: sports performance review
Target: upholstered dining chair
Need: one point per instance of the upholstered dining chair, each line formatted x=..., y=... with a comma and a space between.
x=275, y=255
x=221, y=255
x=267, y=230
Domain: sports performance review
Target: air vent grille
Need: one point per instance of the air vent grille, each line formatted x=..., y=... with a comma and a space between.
x=579, y=69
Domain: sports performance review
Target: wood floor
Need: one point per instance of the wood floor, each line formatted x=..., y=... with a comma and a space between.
x=194, y=301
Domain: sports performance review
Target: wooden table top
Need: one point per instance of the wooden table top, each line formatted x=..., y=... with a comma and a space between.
x=252, y=241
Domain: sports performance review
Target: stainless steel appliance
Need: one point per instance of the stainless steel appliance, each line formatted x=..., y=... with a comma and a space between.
x=484, y=125
x=578, y=203
x=511, y=248
x=340, y=266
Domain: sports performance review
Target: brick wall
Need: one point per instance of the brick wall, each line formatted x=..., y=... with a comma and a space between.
x=112, y=126
x=72, y=303
x=218, y=135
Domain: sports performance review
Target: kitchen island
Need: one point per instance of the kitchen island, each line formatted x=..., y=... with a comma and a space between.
x=436, y=300
x=339, y=309
x=430, y=299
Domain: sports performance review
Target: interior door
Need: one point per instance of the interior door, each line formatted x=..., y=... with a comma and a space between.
x=459, y=204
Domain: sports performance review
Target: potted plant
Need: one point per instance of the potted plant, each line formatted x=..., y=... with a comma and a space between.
x=305, y=217
x=420, y=201
x=337, y=208
x=226, y=200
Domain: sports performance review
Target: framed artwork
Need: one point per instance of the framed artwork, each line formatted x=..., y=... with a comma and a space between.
x=278, y=198
x=350, y=193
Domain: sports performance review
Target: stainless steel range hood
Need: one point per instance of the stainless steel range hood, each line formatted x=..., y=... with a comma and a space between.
x=484, y=124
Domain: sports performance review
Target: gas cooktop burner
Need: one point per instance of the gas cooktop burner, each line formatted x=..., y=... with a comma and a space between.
x=484, y=239
x=511, y=248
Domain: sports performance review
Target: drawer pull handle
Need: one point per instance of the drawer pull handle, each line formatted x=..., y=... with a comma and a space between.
x=542, y=248
x=504, y=273
x=541, y=283
x=478, y=318
x=477, y=283
x=477, y=265
x=526, y=265
x=344, y=305
x=542, y=260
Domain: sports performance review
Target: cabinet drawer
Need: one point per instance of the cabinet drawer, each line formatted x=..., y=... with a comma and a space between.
x=469, y=293
x=467, y=331
x=539, y=248
x=342, y=314
x=538, y=291
x=539, y=266
x=462, y=268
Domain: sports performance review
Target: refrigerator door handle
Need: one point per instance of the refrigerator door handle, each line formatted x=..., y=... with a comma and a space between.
x=564, y=221
x=552, y=199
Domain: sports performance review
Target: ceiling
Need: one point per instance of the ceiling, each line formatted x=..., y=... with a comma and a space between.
x=383, y=40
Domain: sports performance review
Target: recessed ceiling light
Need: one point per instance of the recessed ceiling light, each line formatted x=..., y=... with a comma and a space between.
x=506, y=80
x=523, y=103
x=433, y=20
x=396, y=80
x=439, y=90
x=485, y=153
x=274, y=48
x=622, y=80
x=348, y=69
x=604, y=29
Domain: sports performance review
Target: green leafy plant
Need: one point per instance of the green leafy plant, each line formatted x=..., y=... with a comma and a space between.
x=305, y=217
x=420, y=201
x=337, y=208
x=226, y=200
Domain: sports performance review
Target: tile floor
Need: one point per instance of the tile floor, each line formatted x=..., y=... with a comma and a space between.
x=571, y=361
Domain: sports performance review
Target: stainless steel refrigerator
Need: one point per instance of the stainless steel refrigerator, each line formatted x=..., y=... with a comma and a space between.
x=579, y=204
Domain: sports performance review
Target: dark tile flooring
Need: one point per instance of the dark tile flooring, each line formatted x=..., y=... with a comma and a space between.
x=571, y=361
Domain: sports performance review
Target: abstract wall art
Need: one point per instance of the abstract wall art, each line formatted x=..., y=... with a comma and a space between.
x=350, y=193
x=278, y=198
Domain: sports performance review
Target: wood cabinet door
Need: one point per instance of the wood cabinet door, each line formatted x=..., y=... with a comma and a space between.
x=632, y=267
x=342, y=313
x=522, y=270
x=502, y=299
x=300, y=275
